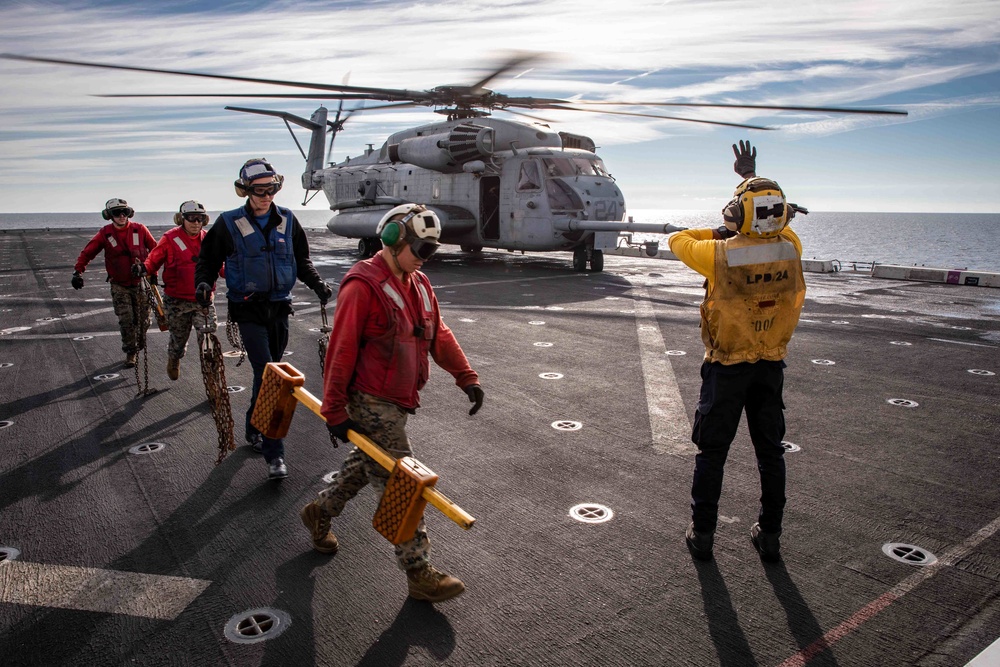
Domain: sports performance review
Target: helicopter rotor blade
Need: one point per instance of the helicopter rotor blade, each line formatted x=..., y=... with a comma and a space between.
x=516, y=59
x=888, y=112
x=389, y=93
x=649, y=115
x=291, y=96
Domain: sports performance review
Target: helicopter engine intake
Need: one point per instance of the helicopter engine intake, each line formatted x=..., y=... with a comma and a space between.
x=445, y=151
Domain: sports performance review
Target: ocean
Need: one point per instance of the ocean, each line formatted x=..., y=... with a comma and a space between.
x=941, y=240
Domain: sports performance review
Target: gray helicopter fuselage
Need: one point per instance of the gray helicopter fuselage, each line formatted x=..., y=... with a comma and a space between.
x=493, y=183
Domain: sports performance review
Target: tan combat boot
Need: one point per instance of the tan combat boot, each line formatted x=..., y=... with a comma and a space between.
x=427, y=583
x=130, y=359
x=318, y=523
x=173, y=368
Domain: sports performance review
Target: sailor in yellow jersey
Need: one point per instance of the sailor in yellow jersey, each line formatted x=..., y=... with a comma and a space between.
x=754, y=291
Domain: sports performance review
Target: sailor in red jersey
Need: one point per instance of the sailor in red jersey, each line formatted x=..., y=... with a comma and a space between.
x=177, y=252
x=124, y=243
x=386, y=323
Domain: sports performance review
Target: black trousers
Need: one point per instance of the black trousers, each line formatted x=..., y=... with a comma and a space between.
x=263, y=345
x=726, y=391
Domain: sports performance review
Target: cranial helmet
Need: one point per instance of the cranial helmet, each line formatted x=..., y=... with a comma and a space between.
x=254, y=169
x=416, y=225
x=115, y=204
x=758, y=209
x=188, y=207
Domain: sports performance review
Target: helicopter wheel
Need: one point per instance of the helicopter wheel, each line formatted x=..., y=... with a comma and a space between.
x=580, y=259
x=472, y=248
x=368, y=247
x=597, y=260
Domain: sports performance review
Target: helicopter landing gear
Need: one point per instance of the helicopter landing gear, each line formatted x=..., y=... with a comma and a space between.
x=597, y=260
x=368, y=247
x=584, y=254
x=474, y=249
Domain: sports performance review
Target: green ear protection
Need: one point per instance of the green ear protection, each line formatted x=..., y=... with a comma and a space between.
x=391, y=233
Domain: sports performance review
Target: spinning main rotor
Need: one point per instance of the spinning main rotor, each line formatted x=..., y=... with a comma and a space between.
x=456, y=101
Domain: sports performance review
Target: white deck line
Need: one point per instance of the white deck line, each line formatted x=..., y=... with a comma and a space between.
x=668, y=420
x=89, y=589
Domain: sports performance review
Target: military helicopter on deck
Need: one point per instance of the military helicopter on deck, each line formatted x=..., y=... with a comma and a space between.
x=494, y=183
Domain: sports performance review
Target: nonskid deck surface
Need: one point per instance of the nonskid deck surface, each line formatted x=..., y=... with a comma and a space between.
x=591, y=380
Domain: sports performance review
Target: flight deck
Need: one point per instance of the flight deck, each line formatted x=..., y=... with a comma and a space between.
x=122, y=543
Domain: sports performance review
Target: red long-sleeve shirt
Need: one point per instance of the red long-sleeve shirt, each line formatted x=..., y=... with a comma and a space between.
x=361, y=317
x=118, y=257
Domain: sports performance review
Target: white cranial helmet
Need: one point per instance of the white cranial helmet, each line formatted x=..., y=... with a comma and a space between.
x=414, y=219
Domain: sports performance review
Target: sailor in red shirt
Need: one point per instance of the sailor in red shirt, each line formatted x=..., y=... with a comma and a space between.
x=124, y=243
x=177, y=252
x=386, y=323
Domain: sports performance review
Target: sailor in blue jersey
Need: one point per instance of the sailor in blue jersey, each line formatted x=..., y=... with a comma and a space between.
x=264, y=250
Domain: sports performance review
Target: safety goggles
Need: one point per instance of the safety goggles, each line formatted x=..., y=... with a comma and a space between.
x=118, y=212
x=196, y=217
x=264, y=190
x=423, y=249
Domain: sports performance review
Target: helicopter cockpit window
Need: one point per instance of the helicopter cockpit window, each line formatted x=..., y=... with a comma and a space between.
x=588, y=167
x=528, y=179
x=561, y=197
x=559, y=166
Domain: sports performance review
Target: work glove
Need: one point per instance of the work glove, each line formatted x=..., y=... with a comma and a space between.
x=203, y=295
x=77, y=281
x=138, y=270
x=746, y=159
x=324, y=292
x=795, y=208
x=339, y=431
x=153, y=280
x=725, y=232
x=475, y=393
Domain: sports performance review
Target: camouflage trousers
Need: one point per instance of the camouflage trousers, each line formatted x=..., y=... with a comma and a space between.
x=132, y=308
x=385, y=423
x=181, y=317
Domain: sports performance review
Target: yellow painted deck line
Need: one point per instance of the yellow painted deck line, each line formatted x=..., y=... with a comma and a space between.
x=89, y=589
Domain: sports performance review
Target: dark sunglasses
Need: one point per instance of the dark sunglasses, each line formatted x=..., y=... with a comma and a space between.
x=115, y=212
x=263, y=190
x=423, y=249
x=195, y=217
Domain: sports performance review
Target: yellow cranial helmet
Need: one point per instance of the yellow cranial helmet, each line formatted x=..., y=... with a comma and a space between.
x=758, y=209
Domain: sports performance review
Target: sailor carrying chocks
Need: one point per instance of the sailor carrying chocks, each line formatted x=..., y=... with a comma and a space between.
x=123, y=242
x=753, y=297
x=177, y=253
x=386, y=323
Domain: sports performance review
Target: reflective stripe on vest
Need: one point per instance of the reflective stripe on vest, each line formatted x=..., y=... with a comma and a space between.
x=755, y=301
x=180, y=244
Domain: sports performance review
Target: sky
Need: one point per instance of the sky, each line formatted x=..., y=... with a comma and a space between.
x=63, y=149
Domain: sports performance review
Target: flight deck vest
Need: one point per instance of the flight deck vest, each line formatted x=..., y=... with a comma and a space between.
x=259, y=266
x=119, y=257
x=395, y=366
x=182, y=256
x=755, y=302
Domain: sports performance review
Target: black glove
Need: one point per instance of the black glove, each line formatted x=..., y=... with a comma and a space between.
x=725, y=232
x=746, y=159
x=138, y=270
x=203, y=294
x=153, y=280
x=795, y=208
x=77, y=281
x=324, y=292
x=339, y=431
x=475, y=393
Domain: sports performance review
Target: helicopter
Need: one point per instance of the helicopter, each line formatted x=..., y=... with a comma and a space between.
x=493, y=183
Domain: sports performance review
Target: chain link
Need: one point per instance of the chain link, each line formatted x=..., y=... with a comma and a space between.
x=323, y=340
x=233, y=334
x=141, y=308
x=213, y=371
